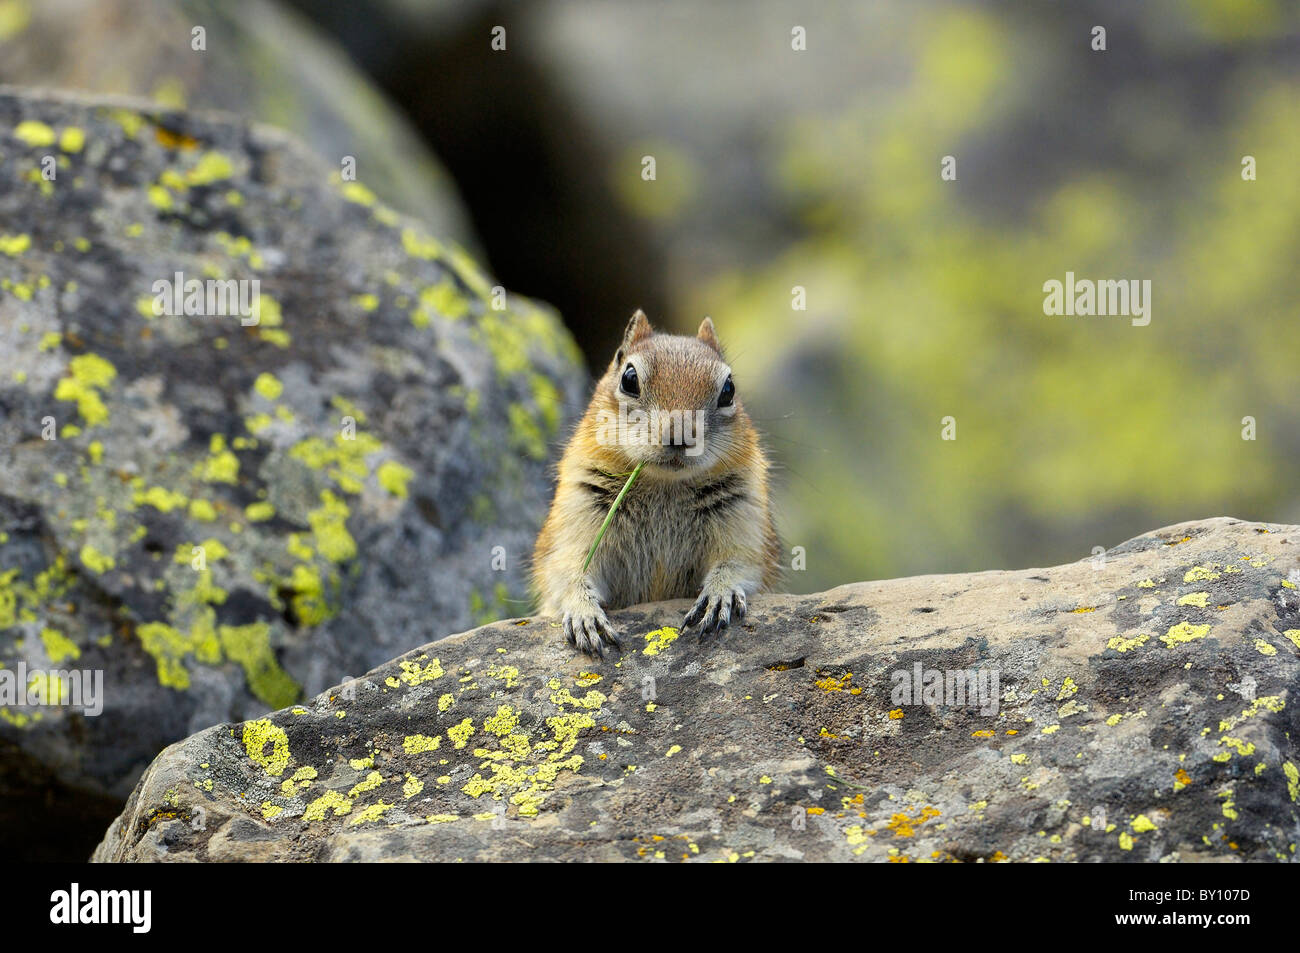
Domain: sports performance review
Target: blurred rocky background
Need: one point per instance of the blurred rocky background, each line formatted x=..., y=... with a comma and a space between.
x=820, y=168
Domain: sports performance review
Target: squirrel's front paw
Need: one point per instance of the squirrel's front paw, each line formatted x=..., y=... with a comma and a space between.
x=587, y=627
x=717, y=605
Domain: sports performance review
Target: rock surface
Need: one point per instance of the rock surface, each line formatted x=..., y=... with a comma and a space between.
x=224, y=517
x=1145, y=710
x=259, y=60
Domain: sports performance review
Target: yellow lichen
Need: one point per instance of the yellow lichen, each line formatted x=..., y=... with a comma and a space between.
x=221, y=465
x=72, y=140
x=211, y=167
x=505, y=673
x=58, y=646
x=259, y=512
x=257, y=735
x=416, y=744
x=1208, y=572
x=302, y=778
x=372, y=781
x=1121, y=644
x=659, y=639
x=394, y=477
x=35, y=133
x=460, y=734
x=413, y=673
x=96, y=561
x=1271, y=703
x=503, y=722
x=562, y=696
x=1183, y=633
x=88, y=374
x=329, y=801
x=14, y=245
x=269, y=386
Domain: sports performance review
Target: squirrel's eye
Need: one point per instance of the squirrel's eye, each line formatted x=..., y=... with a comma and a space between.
x=728, y=395
x=630, y=385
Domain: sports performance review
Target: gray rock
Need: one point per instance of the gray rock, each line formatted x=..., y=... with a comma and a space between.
x=1144, y=710
x=260, y=60
x=234, y=516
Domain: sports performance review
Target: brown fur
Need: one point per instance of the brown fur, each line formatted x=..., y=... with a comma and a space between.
x=691, y=525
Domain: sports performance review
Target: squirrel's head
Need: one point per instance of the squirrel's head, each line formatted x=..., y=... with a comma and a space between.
x=670, y=402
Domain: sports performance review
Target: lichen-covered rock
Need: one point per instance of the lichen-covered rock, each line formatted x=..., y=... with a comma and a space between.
x=1144, y=708
x=258, y=59
x=224, y=513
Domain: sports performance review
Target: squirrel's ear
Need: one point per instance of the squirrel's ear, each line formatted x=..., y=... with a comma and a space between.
x=637, y=329
x=708, y=335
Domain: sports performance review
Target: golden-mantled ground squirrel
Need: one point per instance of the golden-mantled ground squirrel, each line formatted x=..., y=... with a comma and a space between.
x=696, y=521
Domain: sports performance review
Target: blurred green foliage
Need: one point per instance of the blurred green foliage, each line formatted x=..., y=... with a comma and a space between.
x=925, y=300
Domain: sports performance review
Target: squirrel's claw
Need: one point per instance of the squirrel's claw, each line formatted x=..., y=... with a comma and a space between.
x=713, y=610
x=589, y=632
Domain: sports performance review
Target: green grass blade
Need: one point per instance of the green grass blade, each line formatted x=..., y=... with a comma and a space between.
x=610, y=515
